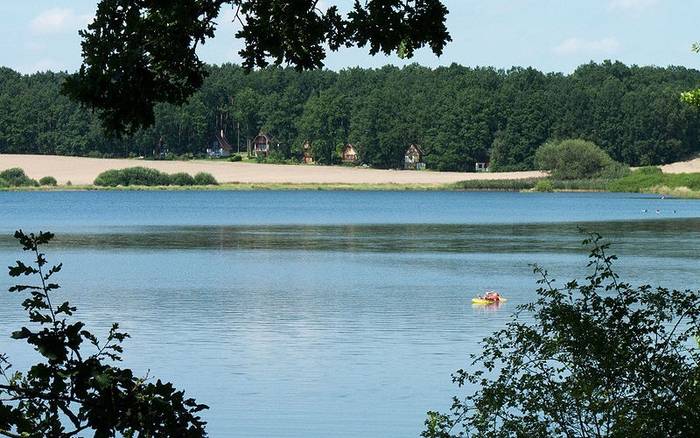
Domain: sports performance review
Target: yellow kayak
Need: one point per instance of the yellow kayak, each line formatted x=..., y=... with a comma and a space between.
x=483, y=301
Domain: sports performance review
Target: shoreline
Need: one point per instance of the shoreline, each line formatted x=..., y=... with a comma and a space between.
x=679, y=193
x=78, y=174
x=81, y=171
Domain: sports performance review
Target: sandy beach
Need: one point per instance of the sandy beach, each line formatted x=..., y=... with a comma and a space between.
x=82, y=171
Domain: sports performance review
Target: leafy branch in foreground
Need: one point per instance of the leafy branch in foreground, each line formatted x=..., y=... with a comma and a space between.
x=692, y=97
x=70, y=392
x=139, y=53
x=596, y=359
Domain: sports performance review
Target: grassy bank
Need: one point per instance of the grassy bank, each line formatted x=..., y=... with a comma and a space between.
x=480, y=185
x=652, y=180
x=539, y=184
x=645, y=180
x=241, y=187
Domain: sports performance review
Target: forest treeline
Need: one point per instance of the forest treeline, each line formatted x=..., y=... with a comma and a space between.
x=458, y=115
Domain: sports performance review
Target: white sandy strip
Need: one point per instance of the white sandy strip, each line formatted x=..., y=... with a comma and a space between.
x=81, y=171
x=690, y=166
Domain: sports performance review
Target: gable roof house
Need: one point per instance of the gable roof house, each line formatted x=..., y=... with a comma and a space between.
x=349, y=154
x=220, y=147
x=413, y=158
x=262, y=145
x=308, y=153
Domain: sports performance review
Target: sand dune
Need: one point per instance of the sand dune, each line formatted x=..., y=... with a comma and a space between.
x=81, y=171
x=689, y=166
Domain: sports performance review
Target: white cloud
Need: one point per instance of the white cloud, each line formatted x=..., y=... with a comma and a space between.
x=631, y=5
x=58, y=20
x=575, y=46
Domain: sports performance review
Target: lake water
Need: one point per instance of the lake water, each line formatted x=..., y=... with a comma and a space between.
x=318, y=314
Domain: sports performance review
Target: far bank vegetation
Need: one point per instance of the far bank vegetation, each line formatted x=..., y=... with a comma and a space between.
x=459, y=116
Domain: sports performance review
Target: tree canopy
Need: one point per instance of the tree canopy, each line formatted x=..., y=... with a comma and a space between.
x=458, y=115
x=139, y=53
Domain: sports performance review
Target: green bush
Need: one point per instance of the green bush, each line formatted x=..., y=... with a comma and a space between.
x=235, y=158
x=544, y=185
x=16, y=177
x=576, y=159
x=614, y=170
x=132, y=176
x=277, y=157
x=205, y=179
x=48, y=181
x=142, y=176
x=4, y=183
x=181, y=179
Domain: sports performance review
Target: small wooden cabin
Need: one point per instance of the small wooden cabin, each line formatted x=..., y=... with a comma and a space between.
x=262, y=145
x=349, y=154
x=308, y=153
x=220, y=147
x=413, y=158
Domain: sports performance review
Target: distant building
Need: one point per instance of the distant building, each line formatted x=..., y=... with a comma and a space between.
x=349, y=154
x=308, y=153
x=481, y=167
x=220, y=147
x=262, y=145
x=413, y=158
x=160, y=151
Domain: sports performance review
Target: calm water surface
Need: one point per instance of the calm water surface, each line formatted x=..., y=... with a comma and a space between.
x=317, y=314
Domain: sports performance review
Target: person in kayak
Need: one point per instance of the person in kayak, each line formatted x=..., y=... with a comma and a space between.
x=492, y=296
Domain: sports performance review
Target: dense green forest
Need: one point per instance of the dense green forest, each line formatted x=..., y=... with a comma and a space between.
x=458, y=115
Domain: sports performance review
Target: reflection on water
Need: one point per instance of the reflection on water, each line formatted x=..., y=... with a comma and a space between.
x=340, y=327
x=660, y=238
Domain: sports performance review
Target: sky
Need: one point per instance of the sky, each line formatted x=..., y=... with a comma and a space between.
x=550, y=35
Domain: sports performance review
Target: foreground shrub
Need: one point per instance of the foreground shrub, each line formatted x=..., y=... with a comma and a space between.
x=76, y=389
x=181, y=179
x=48, y=181
x=235, y=158
x=596, y=358
x=205, y=179
x=16, y=177
x=576, y=159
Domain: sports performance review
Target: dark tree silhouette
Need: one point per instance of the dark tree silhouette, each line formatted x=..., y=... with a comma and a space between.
x=72, y=391
x=137, y=53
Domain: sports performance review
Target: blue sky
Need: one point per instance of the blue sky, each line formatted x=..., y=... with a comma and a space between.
x=551, y=35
